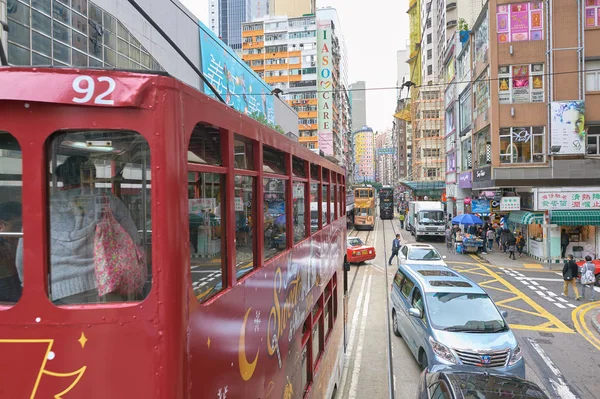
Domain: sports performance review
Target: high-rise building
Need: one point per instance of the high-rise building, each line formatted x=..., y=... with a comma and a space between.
x=385, y=158
x=226, y=19
x=358, y=99
x=288, y=53
x=292, y=8
x=364, y=154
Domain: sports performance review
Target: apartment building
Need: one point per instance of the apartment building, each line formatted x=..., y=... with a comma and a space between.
x=291, y=8
x=358, y=98
x=364, y=154
x=532, y=153
x=386, y=156
x=226, y=18
x=285, y=53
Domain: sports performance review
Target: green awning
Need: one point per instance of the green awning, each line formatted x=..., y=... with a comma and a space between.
x=524, y=217
x=587, y=217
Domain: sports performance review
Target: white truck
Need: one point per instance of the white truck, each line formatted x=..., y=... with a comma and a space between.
x=426, y=219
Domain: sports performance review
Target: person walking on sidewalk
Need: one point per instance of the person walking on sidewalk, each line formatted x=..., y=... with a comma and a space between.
x=587, y=277
x=401, y=217
x=564, y=242
x=570, y=272
x=511, y=243
x=395, y=248
x=490, y=239
x=520, y=243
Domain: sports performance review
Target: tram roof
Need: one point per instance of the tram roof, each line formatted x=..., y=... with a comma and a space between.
x=132, y=89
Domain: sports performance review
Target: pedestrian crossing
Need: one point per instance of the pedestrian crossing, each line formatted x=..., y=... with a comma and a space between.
x=539, y=289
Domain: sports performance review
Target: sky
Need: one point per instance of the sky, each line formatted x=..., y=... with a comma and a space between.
x=373, y=30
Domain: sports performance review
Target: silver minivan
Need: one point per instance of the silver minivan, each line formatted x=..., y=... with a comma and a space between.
x=447, y=319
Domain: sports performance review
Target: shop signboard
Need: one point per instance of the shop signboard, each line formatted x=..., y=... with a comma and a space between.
x=510, y=204
x=480, y=206
x=482, y=174
x=570, y=200
x=325, y=86
x=464, y=180
x=494, y=206
x=567, y=130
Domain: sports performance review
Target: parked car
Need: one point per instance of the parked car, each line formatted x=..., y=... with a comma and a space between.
x=447, y=319
x=463, y=383
x=420, y=254
x=596, y=272
x=357, y=251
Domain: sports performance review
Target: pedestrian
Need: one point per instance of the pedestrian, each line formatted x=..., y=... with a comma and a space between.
x=401, y=217
x=520, y=243
x=395, y=248
x=587, y=277
x=504, y=236
x=570, y=272
x=490, y=239
x=564, y=242
x=511, y=244
x=498, y=233
x=449, y=235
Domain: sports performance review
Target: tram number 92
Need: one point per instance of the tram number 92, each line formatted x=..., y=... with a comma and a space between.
x=87, y=86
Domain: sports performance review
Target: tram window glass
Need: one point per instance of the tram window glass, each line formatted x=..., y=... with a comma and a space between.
x=316, y=330
x=324, y=207
x=325, y=173
x=314, y=207
x=275, y=217
x=314, y=172
x=207, y=235
x=299, y=221
x=92, y=175
x=327, y=321
x=298, y=167
x=273, y=161
x=243, y=153
x=332, y=202
x=244, y=189
x=205, y=145
x=305, y=363
x=11, y=170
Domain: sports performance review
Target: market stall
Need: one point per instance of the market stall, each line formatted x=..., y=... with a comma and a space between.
x=467, y=243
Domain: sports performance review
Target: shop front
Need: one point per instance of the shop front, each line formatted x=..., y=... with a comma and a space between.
x=530, y=224
x=573, y=211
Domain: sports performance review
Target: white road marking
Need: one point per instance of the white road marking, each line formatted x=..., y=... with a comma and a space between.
x=352, y=335
x=535, y=283
x=552, y=293
x=540, y=293
x=550, y=299
x=571, y=305
x=560, y=387
x=359, y=346
x=533, y=279
x=560, y=306
x=561, y=299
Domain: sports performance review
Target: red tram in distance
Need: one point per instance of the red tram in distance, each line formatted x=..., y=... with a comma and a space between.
x=243, y=298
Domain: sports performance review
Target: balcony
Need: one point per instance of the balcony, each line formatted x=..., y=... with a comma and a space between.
x=451, y=24
x=451, y=6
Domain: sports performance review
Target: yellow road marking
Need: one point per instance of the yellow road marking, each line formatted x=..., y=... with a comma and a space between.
x=578, y=317
x=507, y=300
x=488, y=281
x=533, y=266
x=560, y=326
x=497, y=289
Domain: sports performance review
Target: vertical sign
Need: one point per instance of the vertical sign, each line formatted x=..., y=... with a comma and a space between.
x=325, y=86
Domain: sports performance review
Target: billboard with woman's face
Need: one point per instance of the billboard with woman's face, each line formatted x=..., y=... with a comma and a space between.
x=568, y=127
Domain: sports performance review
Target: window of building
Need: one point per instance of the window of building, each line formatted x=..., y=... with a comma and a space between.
x=592, y=13
x=428, y=133
x=593, y=140
x=431, y=114
x=466, y=154
x=275, y=218
x=450, y=120
x=521, y=83
x=431, y=172
x=429, y=54
x=483, y=148
x=481, y=88
x=429, y=69
x=522, y=145
x=465, y=110
x=85, y=175
x=11, y=231
x=431, y=152
x=520, y=22
x=592, y=76
x=428, y=23
x=429, y=38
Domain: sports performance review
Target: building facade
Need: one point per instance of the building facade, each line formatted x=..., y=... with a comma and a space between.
x=288, y=54
x=227, y=17
x=358, y=98
x=292, y=8
x=386, y=156
x=364, y=155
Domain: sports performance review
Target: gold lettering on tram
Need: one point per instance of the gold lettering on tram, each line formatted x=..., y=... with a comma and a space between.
x=246, y=368
x=278, y=317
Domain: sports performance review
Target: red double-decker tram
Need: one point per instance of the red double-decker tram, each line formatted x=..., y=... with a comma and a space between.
x=155, y=243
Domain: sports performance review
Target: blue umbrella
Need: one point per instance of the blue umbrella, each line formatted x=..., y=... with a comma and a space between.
x=467, y=219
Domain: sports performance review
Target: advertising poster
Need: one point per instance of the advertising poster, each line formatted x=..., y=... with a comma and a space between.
x=480, y=206
x=520, y=83
x=568, y=127
x=241, y=87
x=325, y=86
x=519, y=22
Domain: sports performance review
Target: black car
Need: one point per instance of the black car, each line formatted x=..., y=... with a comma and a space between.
x=465, y=383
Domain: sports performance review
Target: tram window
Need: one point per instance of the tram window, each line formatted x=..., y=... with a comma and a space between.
x=317, y=346
x=243, y=153
x=325, y=174
x=244, y=254
x=206, y=224
x=314, y=172
x=273, y=161
x=299, y=207
x=11, y=172
x=324, y=207
x=93, y=175
x=275, y=217
x=305, y=367
x=298, y=167
x=205, y=145
x=314, y=207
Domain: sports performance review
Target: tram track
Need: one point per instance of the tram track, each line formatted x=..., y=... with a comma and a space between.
x=391, y=387
x=354, y=233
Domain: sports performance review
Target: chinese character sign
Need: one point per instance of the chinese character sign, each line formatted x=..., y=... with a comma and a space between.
x=568, y=127
x=325, y=86
x=570, y=201
x=241, y=88
x=510, y=204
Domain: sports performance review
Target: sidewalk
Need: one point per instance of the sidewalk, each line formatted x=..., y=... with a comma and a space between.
x=499, y=258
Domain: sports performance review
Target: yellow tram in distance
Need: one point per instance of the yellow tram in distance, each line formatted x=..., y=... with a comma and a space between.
x=364, y=208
